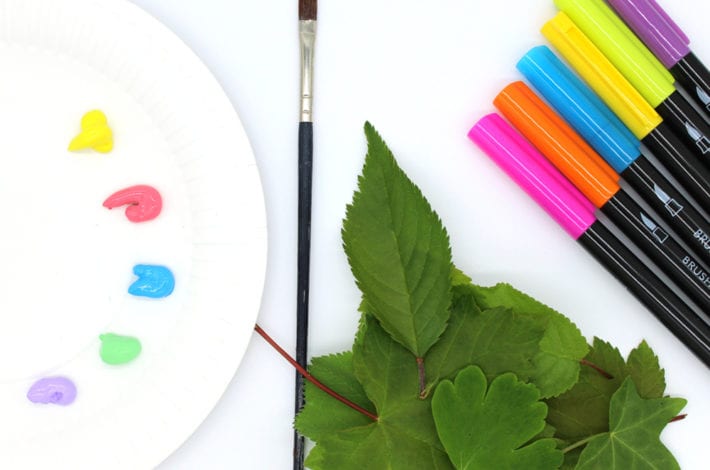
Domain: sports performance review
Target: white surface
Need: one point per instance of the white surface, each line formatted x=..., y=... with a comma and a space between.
x=422, y=73
x=67, y=261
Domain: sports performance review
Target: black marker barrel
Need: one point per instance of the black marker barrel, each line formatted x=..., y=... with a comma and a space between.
x=599, y=183
x=692, y=227
x=567, y=206
x=677, y=263
x=694, y=77
x=679, y=161
x=612, y=140
x=688, y=124
x=648, y=289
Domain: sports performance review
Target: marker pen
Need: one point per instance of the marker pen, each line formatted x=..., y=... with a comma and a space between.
x=594, y=121
x=670, y=45
x=629, y=106
x=561, y=201
x=635, y=62
x=591, y=175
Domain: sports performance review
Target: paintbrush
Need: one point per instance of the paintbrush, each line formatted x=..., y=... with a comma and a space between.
x=307, y=12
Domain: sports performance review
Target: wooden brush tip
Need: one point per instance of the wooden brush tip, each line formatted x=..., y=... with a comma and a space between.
x=307, y=9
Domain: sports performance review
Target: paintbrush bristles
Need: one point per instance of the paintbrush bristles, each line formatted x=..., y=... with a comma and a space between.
x=307, y=9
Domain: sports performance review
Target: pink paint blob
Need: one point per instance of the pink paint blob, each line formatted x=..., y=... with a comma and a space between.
x=143, y=201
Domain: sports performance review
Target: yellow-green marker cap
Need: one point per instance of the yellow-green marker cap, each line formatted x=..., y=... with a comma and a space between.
x=601, y=75
x=622, y=48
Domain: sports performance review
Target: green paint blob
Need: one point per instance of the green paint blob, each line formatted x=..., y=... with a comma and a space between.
x=117, y=349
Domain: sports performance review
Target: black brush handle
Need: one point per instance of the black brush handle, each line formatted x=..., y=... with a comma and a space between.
x=694, y=77
x=676, y=262
x=671, y=205
x=680, y=162
x=305, y=180
x=688, y=124
x=648, y=289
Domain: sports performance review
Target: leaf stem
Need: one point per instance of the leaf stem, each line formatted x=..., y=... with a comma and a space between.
x=587, y=439
x=601, y=371
x=422, y=378
x=579, y=443
x=312, y=379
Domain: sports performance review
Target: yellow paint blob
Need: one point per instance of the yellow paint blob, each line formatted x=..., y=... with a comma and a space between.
x=95, y=133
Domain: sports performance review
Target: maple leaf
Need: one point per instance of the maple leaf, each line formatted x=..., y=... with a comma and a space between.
x=398, y=251
x=561, y=348
x=497, y=340
x=584, y=410
x=486, y=429
x=404, y=437
x=633, y=439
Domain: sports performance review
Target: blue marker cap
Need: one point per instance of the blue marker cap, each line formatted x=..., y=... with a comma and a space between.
x=582, y=109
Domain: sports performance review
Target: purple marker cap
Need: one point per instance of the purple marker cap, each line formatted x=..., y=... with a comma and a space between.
x=655, y=28
x=533, y=173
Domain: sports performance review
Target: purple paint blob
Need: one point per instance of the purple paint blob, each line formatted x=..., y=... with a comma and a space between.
x=53, y=390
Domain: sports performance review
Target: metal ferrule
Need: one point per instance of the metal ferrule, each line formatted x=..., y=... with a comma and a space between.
x=307, y=34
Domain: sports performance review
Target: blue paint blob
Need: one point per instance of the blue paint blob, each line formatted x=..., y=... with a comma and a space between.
x=153, y=281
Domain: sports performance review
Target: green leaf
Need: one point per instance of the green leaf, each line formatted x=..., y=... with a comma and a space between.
x=459, y=278
x=562, y=346
x=642, y=366
x=486, y=429
x=584, y=410
x=390, y=378
x=404, y=437
x=314, y=459
x=497, y=340
x=375, y=448
x=417, y=305
x=571, y=459
x=633, y=440
x=398, y=251
x=323, y=414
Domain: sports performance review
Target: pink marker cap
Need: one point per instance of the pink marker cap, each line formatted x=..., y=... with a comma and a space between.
x=533, y=173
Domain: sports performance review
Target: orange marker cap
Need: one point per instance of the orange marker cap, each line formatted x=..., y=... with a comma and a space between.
x=558, y=142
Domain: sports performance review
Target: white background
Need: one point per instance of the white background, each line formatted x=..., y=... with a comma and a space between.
x=422, y=73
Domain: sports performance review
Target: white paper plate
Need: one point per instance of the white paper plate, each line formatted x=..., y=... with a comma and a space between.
x=66, y=262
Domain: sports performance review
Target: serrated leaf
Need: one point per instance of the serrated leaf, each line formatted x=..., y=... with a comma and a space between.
x=398, y=251
x=459, y=278
x=497, y=340
x=562, y=346
x=584, y=410
x=642, y=366
x=323, y=414
x=390, y=378
x=404, y=437
x=633, y=440
x=485, y=427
